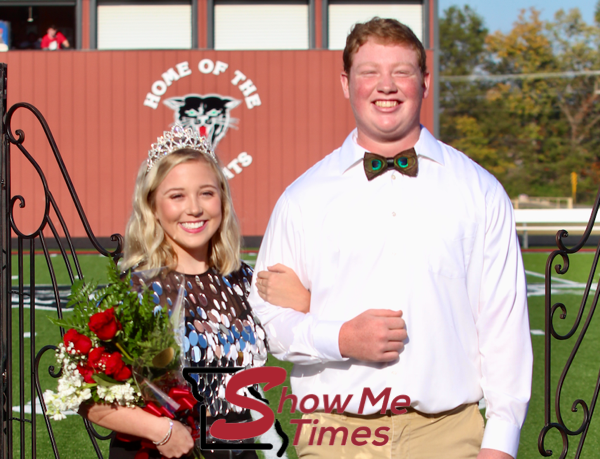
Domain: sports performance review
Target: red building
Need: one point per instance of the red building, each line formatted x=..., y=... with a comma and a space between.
x=262, y=78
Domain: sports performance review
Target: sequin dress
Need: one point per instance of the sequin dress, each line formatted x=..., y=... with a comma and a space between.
x=220, y=331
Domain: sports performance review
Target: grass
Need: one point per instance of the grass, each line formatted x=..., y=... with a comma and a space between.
x=71, y=437
x=92, y=266
x=73, y=440
x=582, y=376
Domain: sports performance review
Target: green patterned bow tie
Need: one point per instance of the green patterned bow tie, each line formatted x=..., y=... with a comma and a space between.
x=404, y=162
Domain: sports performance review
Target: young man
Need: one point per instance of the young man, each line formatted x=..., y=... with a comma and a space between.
x=54, y=40
x=415, y=273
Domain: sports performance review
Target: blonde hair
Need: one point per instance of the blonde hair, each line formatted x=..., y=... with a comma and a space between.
x=146, y=246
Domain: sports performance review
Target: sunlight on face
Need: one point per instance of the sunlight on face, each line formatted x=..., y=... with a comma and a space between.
x=188, y=208
x=386, y=89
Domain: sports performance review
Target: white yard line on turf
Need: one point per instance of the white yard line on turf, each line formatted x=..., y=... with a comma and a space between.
x=559, y=286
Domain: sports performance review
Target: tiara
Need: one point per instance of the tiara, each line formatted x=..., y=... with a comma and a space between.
x=176, y=139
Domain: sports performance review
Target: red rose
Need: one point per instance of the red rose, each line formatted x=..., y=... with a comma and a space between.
x=71, y=335
x=81, y=343
x=116, y=368
x=123, y=374
x=87, y=373
x=97, y=358
x=114, y=363
x=104, y=324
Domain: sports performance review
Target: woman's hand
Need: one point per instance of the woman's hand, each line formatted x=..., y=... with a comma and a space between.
x=180, y=443
x=280, y=286
x=135, y=421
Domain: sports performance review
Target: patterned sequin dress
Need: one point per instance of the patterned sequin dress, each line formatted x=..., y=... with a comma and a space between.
x=220, y=331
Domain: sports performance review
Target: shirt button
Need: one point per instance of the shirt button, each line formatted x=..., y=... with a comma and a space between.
x=393, y=176
x=393, y=214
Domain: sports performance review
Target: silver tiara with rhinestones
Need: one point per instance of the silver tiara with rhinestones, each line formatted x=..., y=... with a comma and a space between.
x=176, y=139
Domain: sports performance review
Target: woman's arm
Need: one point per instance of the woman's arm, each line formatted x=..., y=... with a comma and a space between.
x=280, y=286
x=135, y=421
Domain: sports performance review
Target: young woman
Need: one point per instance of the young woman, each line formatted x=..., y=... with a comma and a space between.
x=183, y=219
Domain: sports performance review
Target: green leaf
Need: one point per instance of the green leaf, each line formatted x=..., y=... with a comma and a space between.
x=104, y=380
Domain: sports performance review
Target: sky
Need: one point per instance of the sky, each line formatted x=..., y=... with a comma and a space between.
x=500, y=14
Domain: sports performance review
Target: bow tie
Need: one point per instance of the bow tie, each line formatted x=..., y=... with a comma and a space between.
x=404, y=162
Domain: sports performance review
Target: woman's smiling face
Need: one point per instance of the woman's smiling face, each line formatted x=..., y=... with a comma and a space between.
x=188, y=208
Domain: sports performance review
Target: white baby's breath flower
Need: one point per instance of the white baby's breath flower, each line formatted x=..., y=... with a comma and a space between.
x=123, y=394
x=54, y=405
x=86, y=394
x=69, y=396
x=101, y=391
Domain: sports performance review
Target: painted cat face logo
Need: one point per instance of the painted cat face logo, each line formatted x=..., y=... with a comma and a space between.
x=208, y=114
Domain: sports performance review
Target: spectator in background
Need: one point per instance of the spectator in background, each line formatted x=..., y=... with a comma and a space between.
x=54, y=40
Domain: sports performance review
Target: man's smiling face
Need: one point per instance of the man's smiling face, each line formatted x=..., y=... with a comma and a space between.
x=386, y=89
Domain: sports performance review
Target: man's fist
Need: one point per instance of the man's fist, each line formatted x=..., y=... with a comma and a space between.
x=376, y=335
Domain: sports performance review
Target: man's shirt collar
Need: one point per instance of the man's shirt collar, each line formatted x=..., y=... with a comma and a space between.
x=352, y=153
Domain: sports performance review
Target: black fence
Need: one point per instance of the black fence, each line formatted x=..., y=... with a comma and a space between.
x=21, y=367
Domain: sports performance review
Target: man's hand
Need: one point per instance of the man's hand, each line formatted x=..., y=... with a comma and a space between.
x=486, y=453
x=376, y=335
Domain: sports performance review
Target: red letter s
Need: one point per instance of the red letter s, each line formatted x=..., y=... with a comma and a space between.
x=273, y=376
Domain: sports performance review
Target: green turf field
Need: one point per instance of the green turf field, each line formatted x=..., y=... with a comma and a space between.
x=581, y=379
x=73, y=441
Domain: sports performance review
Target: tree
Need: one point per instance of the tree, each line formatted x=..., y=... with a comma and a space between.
x=462, y=41
x=532, y=114
x=464, y=115
x=556, y=116
x=528, y=139
x=578, y=98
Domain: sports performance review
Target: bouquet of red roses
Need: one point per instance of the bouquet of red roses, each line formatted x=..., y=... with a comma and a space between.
x=120, y=347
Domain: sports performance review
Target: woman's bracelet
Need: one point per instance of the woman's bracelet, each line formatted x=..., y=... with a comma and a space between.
x=167, y=436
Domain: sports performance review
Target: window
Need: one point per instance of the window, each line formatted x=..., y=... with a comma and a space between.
x=145, y=26
x=343, y=16
x=261, y=26
x=27, y=24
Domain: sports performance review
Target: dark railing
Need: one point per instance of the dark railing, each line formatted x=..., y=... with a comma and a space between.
x=51, y=228
x=559, y=310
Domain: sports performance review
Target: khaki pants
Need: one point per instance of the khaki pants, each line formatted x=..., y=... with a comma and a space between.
x=455, y=434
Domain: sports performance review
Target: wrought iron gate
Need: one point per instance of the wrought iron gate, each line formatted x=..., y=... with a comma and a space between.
x=556, y=332
x=20, y=358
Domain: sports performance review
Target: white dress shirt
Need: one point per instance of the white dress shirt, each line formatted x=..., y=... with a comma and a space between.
x=442, y=248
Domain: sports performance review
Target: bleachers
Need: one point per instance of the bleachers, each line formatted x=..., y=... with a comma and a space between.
x=549, y=221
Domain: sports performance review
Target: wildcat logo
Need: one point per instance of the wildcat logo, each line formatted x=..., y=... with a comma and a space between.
x=208, y=114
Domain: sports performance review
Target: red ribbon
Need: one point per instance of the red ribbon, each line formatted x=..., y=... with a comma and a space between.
x=184, y=397
x=158, y=411
x=186, y=402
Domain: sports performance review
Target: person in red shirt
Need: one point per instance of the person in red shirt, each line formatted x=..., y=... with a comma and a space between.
x=54, y=40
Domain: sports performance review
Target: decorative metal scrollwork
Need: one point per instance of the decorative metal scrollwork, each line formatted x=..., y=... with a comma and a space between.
x=49, y=200
x=51, y=224
x=551, y=332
